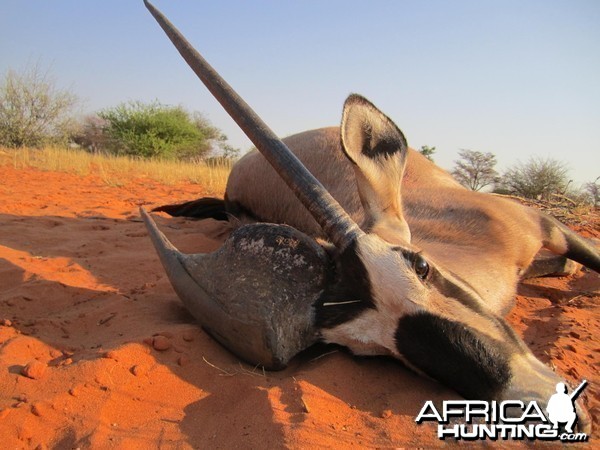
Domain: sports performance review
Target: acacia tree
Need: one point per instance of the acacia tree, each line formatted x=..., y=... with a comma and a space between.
x=427, y=152
x=158, y=130
x=91, y=134
x=33, y=111
x=538, y=178
x=593, y=190
x=475, y=170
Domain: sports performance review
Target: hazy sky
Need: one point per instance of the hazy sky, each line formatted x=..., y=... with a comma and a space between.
x=518, y=78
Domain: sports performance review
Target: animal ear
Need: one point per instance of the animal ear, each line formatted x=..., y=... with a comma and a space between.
x=378, y=150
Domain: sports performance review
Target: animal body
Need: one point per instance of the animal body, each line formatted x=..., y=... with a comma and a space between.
x=418, y=267
x=488, y=240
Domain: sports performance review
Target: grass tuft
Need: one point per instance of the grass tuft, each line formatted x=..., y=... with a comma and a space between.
x=119, y=170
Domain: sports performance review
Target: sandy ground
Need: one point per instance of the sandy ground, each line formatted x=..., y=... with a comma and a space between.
x=116, y=362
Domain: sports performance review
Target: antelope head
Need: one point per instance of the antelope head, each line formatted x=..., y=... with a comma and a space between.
x=272, y=291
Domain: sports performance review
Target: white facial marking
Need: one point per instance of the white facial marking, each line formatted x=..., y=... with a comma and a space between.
x=396, y=289
x=368, y=334
x=396, y=292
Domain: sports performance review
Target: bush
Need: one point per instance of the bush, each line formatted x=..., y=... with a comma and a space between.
x=592, y=189
x=537, y=179
x=157, y=130
x=33, y=111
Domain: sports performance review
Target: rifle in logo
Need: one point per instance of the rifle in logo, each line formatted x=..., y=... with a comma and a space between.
x=578, y=390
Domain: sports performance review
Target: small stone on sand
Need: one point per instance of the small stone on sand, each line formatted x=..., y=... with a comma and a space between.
x=138, y=370
x=37, y=409
x=188, y=336
x=161, y=343
x=34, y=370
x=111, y=354
x=386, y=414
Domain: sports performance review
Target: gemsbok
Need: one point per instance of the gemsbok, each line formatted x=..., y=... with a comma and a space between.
x=415, y=266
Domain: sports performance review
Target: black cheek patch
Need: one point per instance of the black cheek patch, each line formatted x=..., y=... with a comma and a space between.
x=348, y=295
x=475, y=366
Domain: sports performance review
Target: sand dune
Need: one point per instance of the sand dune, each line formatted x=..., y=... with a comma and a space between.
x=113, y=359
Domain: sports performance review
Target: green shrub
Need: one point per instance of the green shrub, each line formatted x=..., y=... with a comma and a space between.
x=156, y=130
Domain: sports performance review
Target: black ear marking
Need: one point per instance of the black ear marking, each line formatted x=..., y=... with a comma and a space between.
x=368, y=130
x=383, y=145
x=476, y=366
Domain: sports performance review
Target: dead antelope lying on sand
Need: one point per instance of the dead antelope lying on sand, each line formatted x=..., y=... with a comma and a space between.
x=419, y=268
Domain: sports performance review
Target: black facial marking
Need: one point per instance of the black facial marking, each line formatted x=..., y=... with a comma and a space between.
x=474, y=365
x=350, y=284
x=454, y=291
x=429, y=274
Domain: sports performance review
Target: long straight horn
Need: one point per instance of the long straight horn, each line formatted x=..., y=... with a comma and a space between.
x=336, y=223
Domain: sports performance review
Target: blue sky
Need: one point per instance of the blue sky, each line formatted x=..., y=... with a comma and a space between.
x=518, y=78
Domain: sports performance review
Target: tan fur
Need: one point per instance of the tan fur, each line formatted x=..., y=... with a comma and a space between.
x=490, y=253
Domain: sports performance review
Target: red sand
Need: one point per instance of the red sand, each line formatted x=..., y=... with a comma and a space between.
x=115, y=360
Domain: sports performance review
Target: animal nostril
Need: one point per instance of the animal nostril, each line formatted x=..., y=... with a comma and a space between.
x=421, y=267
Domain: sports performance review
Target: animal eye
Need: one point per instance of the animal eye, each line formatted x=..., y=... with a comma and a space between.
x=420, y=266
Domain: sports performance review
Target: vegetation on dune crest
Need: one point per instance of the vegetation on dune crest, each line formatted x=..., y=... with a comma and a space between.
x=159, y=141
x=33, y=111
x=427, y=152
x=132, y=140
x=475, y=170
x=151, y=130
x=537, y=179
x=119, y=170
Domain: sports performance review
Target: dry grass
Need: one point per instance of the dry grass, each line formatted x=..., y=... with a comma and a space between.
x=565, y=209
x=119, y=170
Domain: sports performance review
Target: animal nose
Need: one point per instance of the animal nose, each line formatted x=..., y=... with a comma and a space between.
x=584, y=422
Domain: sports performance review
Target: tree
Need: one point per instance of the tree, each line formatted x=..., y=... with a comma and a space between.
x=91, y=134
x=427, y=152
x=158, y=130
x=593, y=190
x=538, y=178
x=33, y=111
x=475, y=170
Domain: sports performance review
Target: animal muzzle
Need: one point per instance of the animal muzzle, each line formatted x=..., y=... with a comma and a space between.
x=479, y=366
x=534, y=381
